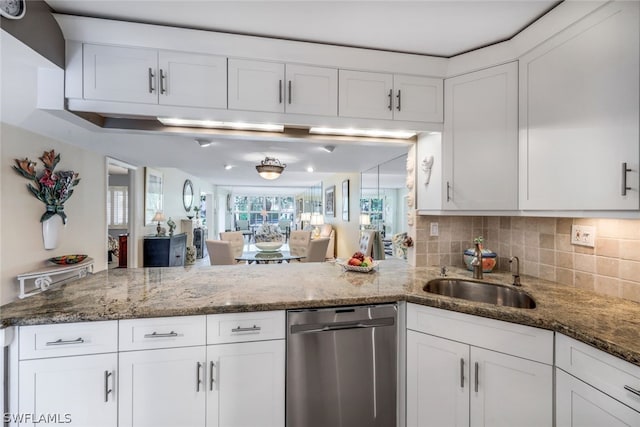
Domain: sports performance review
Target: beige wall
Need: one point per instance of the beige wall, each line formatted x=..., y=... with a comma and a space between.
x=20, y=229
x=543, y=246
x=347, y=233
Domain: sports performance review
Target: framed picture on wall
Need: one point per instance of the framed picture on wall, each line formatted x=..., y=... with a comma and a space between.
x=330, y=201
x=153, y=196
x=345, y=200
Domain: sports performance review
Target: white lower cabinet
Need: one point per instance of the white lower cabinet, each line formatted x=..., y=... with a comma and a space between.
x=246, y=384
x=580, y=405
x=74, y=391
x=453, y=383
x=164, y=387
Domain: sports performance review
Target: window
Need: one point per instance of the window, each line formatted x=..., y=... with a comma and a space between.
x=259, y=209
x=118, y=207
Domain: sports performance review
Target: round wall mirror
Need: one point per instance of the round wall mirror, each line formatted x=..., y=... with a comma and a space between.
x=187, y=195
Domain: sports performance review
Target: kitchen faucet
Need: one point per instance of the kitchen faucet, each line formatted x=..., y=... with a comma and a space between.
x=516, y=275
x=476, y=262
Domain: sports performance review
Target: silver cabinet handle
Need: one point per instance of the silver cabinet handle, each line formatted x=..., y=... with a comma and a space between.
x=61, y=342
x=198, y=378
x=151, y=76
x=289, y=94
x=212, y=375
x=280, y=90
x=164, y=335
x=632, y=390
x=390, y=106
x=461, y=372
x=476, y=379
x=107, y=390
x=254, y=328
x=448, y=191
x=399, y=100
x=163, y=76
x=625, y=170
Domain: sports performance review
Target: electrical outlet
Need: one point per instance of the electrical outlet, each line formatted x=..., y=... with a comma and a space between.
x=434, y=229
x=583, y=235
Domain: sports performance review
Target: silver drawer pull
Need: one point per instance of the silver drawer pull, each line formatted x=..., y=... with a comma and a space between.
x=107, y=390
x=157, y=335
x=254, y=328
x=632, y=390
x=61, y=342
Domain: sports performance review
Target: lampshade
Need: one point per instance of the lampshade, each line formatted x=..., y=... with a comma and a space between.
x=270, y=168
x=317, y=219
x=305, y=216
x=158, y=217
x=364, y=219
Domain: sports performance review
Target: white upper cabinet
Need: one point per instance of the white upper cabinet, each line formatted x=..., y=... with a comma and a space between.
x=148, y=76
x=480, y=140
x=278, y=88
x=388, y=96
x=192, y=80
x=121, y=74
x=311, y=90
x=579, y=113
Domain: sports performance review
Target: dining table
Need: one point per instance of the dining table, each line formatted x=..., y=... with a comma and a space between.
x=267, y=257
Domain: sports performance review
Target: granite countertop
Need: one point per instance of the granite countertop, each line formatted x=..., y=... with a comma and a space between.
x=610, y=324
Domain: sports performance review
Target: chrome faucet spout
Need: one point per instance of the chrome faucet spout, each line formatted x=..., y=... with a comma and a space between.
x=476, y=262
x=516, y=275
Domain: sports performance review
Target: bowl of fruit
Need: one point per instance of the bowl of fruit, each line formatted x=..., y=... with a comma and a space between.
x=360, y=263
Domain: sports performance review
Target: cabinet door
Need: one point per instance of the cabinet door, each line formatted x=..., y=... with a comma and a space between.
x=192, y=80
x=120, y=74
x=480, y=140
x=365, y=95
x=78, y=391
x=579, y=114
x=437, y=381
x=178, y=250
x=163, y=388
x=580, y=405
x=417, y=98
x=256, y=85
x=311, y=90
x=245, y=384
x=508, y=391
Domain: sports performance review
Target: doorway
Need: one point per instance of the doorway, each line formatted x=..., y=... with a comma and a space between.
x=120, y=227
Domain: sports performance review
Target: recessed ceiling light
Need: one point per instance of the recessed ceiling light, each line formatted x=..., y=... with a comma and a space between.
x=228, y=167
x=373, y=133
x=173, y=121
x=329, y=148
x=310, y=169
x=204, y=142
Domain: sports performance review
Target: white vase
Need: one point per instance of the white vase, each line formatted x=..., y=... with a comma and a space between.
x=52, y=231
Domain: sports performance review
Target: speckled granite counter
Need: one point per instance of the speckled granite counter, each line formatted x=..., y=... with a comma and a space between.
x=610, y=324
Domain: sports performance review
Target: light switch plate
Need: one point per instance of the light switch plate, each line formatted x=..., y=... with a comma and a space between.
x=434, y=229
x=583, y=235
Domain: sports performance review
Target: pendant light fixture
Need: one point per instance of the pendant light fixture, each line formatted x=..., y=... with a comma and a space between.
x=270, y=168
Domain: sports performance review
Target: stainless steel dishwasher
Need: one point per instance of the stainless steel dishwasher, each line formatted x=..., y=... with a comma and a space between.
x=341, y=367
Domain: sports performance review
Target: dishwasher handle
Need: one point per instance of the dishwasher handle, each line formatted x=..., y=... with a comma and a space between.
x=341, y=326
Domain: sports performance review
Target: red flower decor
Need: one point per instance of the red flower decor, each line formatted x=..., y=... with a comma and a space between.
x=51, y=188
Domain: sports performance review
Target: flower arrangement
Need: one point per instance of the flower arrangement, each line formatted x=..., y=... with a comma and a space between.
x=268, y=233
x=51, y=188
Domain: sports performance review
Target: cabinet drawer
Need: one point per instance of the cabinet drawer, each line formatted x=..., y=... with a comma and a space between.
x=241, y=327
x=518, y=340
x=603, y=371
x=162, y=332
x=68, y=339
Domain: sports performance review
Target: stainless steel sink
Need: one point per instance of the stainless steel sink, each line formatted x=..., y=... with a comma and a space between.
x=480, y=292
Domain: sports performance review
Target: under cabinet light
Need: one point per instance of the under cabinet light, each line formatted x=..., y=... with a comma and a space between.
x=266, y=127
x=373, y=133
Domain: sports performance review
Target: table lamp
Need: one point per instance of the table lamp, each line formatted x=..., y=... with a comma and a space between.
x=158, y=217
x=316, y=220
x=364, y=221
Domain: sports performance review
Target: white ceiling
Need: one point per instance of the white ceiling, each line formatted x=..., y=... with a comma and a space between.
x=443, y=28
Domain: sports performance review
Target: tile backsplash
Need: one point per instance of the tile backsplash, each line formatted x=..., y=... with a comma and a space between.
x=544, y=248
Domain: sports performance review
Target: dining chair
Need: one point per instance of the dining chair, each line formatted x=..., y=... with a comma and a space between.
x=299, y=242
x=220, y=252
x=317, y=250
x=366, y=242
x=236, y=239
